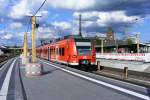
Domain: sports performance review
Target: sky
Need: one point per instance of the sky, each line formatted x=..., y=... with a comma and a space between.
x=60, y=18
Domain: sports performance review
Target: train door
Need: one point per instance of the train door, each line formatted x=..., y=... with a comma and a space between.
x=56, y=53
x=49, y=53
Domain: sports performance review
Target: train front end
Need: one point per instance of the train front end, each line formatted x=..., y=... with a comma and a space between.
x=85, y=51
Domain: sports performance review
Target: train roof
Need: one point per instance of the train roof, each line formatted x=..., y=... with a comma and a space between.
x=75, y=37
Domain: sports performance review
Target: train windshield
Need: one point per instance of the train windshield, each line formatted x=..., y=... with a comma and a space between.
x=83, y=46
x=84, y=50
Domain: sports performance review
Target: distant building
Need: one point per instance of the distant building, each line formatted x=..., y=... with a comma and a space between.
x=122, y=46
x=1, y=52
x=110, y=34
x=2, y=48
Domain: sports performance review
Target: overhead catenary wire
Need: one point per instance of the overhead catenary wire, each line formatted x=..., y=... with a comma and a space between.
x=28, y=25
x=39, y=8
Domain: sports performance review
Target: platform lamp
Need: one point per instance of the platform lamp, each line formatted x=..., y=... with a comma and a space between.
x=102, y=38
x=137, y=37
x=138, y=42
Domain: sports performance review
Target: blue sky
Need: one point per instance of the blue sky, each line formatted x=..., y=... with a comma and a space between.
x=60, y=17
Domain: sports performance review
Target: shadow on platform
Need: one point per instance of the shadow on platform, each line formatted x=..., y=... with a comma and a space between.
x=49, y=71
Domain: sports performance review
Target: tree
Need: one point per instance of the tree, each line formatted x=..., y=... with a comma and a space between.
x=98, y=40
x=129, y=41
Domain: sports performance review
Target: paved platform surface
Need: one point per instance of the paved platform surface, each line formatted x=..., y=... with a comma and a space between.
x=60, y=83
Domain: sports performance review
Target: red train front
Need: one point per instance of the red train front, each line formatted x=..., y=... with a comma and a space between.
x=72, y=50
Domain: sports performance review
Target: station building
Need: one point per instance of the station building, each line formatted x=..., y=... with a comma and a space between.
x=112, y=45
x=120, y=46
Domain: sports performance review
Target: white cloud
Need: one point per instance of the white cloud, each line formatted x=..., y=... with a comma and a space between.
x=105, y=18
x=62, y=25
x=44, y=16
x=20, y=10
x=71, y=4
x=46, y=32
x=7, y=36
x=42, y=13
x=15, y=25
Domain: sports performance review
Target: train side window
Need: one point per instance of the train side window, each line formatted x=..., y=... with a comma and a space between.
x=57, y=51
x=60, y=51
x=63, y=51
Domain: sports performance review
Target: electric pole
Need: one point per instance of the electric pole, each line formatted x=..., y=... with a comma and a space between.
x=80, y=26
x=138, y=43
x=33, y=39
x=25, y=47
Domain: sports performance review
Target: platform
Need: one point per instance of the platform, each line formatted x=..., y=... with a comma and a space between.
x=59, y=82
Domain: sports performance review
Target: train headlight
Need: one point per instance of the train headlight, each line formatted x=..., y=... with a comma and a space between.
x=85, y=62
x=74, y=56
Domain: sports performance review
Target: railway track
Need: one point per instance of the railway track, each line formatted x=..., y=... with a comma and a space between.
x=4, y=58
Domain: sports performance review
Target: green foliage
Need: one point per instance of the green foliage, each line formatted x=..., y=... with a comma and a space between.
x=129, y=41
x=98, y=41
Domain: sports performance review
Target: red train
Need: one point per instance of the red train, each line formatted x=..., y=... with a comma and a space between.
x=72, y=50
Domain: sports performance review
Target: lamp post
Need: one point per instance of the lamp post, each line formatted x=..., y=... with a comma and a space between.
x=102, y=38
x=137, y=38
x=138, y=43
x=116, y=43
